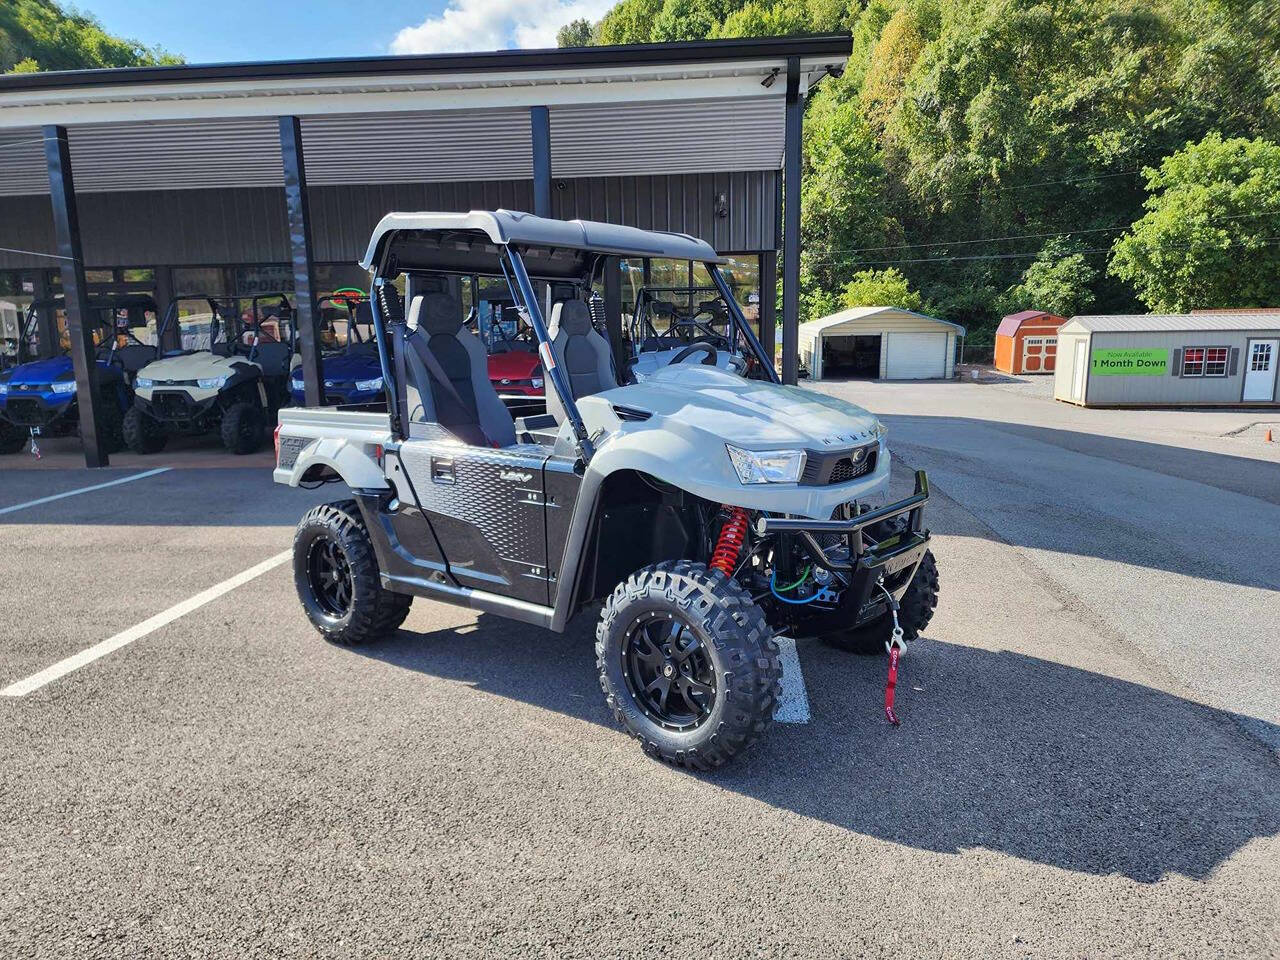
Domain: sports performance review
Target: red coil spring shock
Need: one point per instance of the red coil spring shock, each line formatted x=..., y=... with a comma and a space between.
x=725, y=556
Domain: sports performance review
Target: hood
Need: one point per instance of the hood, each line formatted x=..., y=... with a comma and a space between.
x=751, y=413
x=41, y=371
x=193, y=366
x=513, y=365
x=341, y=367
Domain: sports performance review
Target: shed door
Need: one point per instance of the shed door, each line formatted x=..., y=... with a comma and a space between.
x=916, y=356
x=1260, y=369
x=1079, y=370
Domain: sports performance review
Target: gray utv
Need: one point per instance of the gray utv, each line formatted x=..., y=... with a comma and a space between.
x=703, y=512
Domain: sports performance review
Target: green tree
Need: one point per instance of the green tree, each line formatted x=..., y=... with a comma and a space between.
x=1211, y=234
x=881, y=288
x=575, y=33
x=630, y=21
x=1060, y=280
x=41, y=35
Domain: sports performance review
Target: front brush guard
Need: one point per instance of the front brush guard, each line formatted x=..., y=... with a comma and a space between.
x=873, y=565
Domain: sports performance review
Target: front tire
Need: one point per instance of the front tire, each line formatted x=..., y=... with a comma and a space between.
x=142, y=433
x=12, y=439
x=336, y=574
x=111, y=424
x=915, y=610
x=687, y=663
x=242, y=428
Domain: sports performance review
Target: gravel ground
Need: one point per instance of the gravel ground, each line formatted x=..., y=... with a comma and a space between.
x=1065, y=783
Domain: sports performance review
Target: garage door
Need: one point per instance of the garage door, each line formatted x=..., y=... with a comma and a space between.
x=916, y=356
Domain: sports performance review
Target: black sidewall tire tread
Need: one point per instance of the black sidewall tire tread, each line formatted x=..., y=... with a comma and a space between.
x=242, y=428
x=12, y=439
x=111, y=424
x=375, y=612
x=743, y=653
x=915, y=610
x=142, y=434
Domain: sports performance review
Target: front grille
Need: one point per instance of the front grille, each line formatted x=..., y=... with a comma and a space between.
x=26, y=411
x=172, y=405
x=825, y=469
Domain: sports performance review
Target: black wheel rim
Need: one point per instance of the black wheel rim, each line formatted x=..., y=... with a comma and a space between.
x=668, y=671
x=329, y=574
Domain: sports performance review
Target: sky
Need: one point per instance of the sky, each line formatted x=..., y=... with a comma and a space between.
x=224, y=30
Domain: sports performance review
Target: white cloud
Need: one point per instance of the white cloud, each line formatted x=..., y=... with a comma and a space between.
x=495, y=24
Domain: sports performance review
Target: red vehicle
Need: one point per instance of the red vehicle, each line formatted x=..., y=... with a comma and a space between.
x=515, y=370
x=516, y=375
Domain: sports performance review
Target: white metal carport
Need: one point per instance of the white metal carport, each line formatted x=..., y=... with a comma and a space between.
x=883, y=343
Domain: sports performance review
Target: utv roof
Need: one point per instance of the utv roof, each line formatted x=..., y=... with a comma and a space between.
x=503, y=227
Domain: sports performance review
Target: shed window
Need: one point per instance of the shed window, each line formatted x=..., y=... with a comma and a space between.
x=1193, y=361
x=1215, y=361
x=1205, y=361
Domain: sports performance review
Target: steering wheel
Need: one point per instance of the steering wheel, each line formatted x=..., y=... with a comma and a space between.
x=705, y=346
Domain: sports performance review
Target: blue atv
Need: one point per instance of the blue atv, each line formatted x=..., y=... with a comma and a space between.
x=349, y=355
x=39, y=398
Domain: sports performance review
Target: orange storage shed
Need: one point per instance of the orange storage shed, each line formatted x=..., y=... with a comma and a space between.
x=1027, y=342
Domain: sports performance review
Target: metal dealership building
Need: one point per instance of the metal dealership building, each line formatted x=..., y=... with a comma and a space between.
x=233, y=180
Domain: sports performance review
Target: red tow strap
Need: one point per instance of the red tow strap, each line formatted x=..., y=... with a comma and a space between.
x=890, y=685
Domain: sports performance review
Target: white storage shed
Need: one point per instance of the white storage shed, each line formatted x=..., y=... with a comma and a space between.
x=884, y=343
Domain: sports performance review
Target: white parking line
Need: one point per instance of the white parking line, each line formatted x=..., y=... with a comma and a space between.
x=793, y=705
x=96, y=486
x=85, y=657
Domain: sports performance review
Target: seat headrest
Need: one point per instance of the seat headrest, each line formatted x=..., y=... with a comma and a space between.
x=440, y=314
x=573, y=317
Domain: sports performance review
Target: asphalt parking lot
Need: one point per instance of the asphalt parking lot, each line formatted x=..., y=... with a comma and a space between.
x=1088, y=765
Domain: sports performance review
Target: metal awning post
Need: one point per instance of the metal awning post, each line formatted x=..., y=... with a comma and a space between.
x=540, y=128
x=613, y=313
x=791, y=225
x=66, y=227
x=769, y=305
x=305, y=316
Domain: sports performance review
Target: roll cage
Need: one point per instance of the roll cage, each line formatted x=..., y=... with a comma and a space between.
x=225, y=319
x=474, y=244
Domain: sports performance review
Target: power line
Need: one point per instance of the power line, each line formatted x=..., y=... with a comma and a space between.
x=1266, y=241
x=1027, y=236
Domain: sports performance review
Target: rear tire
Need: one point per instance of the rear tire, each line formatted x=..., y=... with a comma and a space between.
x=336, y=574
x=687, y=663
x=142, y=433
x=242, y=428
x=12, y=440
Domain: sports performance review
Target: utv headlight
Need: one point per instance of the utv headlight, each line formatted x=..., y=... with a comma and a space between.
x=365, y=385
x=144, y=383
x=212, y=383
x=536, y=383
x=63, y=387
x=767, y=466
x=297, y=385
x=4, y=388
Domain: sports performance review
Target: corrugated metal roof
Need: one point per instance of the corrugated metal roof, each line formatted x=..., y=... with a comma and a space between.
x=720, y=136
x=858, y=313
x=1171, y=322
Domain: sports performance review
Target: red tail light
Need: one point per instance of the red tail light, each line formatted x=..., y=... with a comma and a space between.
x=276, y=437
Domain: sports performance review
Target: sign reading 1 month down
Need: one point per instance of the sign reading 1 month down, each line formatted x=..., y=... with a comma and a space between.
x=1130, y=363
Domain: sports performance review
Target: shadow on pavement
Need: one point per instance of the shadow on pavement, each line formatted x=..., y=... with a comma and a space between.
x=999, y=750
